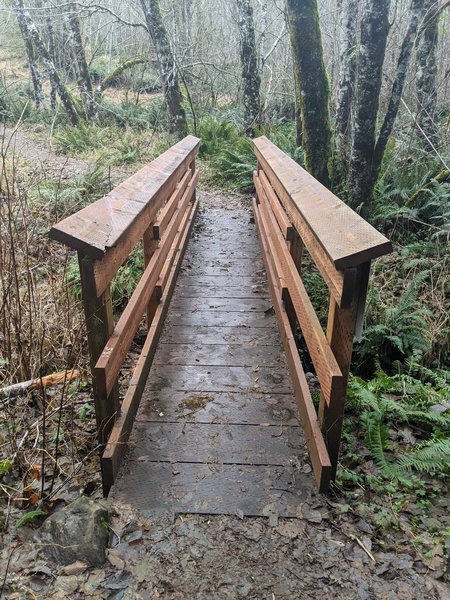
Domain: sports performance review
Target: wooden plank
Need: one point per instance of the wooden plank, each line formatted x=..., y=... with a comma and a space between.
x=160, y=225
x=106, y=223
x=223, y=265
x=240, y=267
x=263, y=188
x=240, y=281
x=231, y=355
x=120, y=433
x=347, y=239
x=166, y=270
x=112, y=357
x=218, y=407
x=326, y=366
x=339, y=283
x=207, y=334
x=192, y=289
x=230, y=250
x=227, y=305
x=308, y=416
x=213, y=489
x=199, y=378
x=233, y=319
x=216, y=443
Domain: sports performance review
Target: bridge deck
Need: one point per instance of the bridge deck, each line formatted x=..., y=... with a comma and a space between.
x=217, y=430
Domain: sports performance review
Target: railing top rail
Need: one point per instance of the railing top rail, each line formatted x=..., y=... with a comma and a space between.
x=102, y=224
x=346, y=237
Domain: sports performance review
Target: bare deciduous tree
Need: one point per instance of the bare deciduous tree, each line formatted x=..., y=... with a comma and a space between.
x=426, y=74
x=84, y=78
x=250, y=72
x=167, y=66
x=33, y=34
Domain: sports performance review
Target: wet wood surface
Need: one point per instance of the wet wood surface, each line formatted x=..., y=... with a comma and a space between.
x=347, y=239
x=217, y=430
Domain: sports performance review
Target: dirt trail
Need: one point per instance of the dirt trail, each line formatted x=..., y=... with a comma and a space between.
x=21, y=145
x=42, y=158
x=326, y=552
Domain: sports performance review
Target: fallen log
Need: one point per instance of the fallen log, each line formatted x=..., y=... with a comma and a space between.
x=41, y=382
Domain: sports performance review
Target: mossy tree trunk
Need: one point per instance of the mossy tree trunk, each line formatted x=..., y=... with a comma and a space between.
x=367, y=149
x=32, y=32
x=84, y=77
x=36, y=78
x=372, y=47
x=167, y=66
x=250, y=71
x=426, y=74
x=312, y=87
x=347, y=74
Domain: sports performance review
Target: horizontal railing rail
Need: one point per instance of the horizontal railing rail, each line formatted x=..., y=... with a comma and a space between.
x=295, y=213
x=157, y=206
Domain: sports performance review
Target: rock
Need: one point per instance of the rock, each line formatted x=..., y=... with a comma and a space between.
x=77, y=532
x=76, y=568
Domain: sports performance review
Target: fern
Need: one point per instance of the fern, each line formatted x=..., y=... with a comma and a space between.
x=235, y=164
x=388, y=402
x=431, y=457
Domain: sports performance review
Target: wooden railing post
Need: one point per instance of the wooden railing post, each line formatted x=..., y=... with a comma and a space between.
x=149, y=245
x=340, y=334
x=98, y=313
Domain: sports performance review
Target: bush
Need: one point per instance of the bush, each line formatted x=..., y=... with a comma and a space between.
x=15, y=102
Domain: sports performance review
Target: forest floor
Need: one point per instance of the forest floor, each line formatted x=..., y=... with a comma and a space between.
x=332, y=550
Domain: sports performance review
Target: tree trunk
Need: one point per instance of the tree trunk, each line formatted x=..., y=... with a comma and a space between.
x=347, y=73
x=312, y=89
x=33, y=34
x=374, y=32
x=426, y=73
x=186, y=8
x=36, y=78
x=84, y=77
x=250, y=72
x=397, y=87
x=167, y=67
x=51, y=51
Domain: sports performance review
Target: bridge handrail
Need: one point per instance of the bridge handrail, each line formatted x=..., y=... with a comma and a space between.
x=294, y=213
x=156, y=205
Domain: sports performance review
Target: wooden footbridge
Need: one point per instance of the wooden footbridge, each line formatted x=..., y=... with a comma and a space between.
x=208, y=421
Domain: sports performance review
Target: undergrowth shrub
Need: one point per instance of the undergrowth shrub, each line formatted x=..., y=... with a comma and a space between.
x=61, y=198
x=405, y=423
x=122, y=285
x=15, y=101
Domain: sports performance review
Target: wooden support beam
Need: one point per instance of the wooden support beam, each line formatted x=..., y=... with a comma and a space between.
x=149, y=246
x=326, y=366
x=99, y=327
x=340, y=334
x=160, y=225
